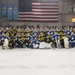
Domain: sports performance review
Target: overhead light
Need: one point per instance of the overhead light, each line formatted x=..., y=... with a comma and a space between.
x=73, y=19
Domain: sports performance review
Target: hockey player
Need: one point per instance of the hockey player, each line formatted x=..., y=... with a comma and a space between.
x=66, y=41
x=41, y=36
x=1, y=40
x=35, y=40
x=68, y=32
x=48, y=41
x=28, y=38
x=4, y=40
x=72, y=40
x=35, y=36
x=56, y=40
x=48, y=38
x=51, y=32
x=17, y=41
x=34, y=44
x=61, y=34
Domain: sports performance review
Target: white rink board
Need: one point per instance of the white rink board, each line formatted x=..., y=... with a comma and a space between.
x=37, y=62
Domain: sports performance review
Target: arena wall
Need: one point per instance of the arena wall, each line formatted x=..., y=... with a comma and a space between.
x=64, y=17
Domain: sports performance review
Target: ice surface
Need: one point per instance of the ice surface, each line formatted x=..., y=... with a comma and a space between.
x=37, y=62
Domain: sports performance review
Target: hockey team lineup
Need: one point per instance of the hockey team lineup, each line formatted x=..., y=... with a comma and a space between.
x=37, y=37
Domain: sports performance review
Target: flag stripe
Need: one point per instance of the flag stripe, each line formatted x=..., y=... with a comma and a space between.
x=45, y=4
x=45, y=20
x=44, y=13
x=45, y=10
x=45, y=7
x=37, y=16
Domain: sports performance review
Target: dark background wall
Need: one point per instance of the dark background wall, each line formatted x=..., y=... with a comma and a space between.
x=65, y=18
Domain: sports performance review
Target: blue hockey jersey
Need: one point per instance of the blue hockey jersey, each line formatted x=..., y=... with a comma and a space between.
x=4, y=37
x=51, y=32
x=1, y=31
x=72, y=38
x=54, y=37
x=68, y=32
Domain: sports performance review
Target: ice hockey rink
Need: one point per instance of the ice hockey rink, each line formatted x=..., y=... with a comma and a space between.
x=37, y=62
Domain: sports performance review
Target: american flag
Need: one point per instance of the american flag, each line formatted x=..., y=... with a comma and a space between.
x=38, y=11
